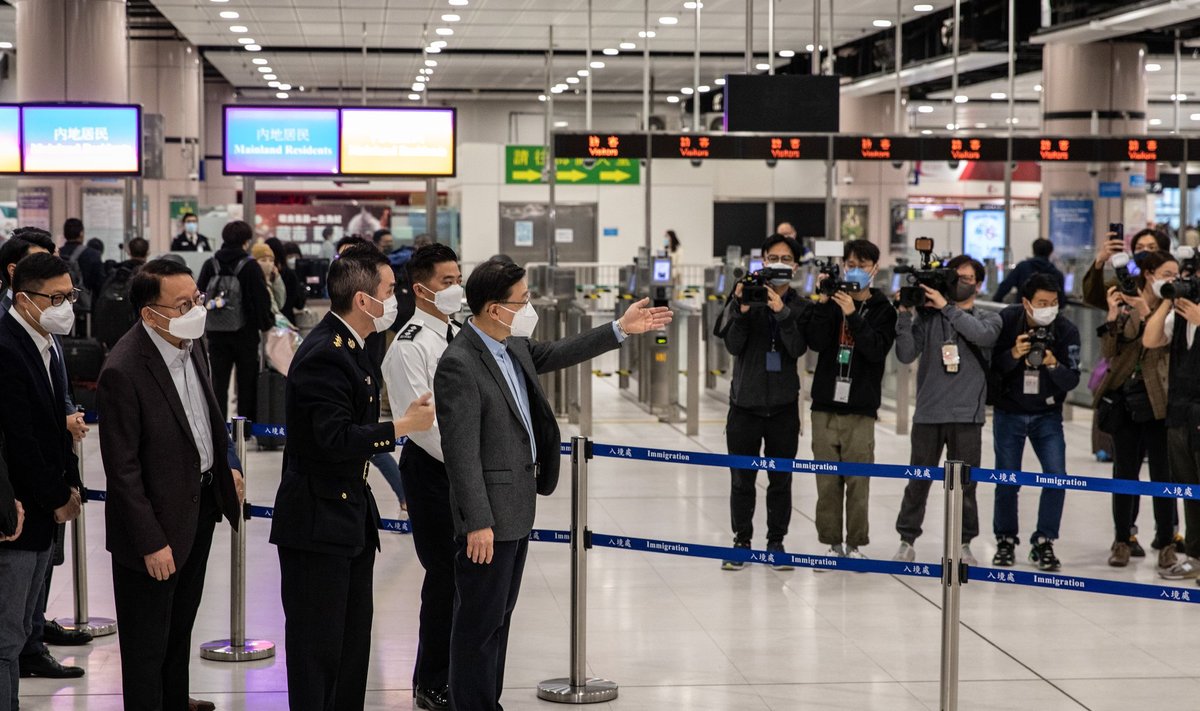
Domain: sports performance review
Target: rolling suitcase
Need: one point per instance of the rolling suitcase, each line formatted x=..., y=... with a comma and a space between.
x=271, y=412
x=83, y=358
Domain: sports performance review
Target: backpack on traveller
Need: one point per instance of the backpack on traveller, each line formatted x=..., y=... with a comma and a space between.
x=112, y=314
x=83, y=304
x=224, y=289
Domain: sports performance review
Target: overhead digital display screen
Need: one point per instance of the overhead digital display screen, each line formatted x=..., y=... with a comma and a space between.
x=398, y=142
x=965, y=148
x=1140, y=149
x=1055, y=149
x=782, y=147
x=281, y=141
x=876, y=148
x=601, y=145
x=81, y=139
x=694, y=146
x=10, y=139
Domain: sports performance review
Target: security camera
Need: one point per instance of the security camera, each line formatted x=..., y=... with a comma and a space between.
x=589, y=163
x=848, y=180
x=696, y=162
x=897, y=164
x=953, y=164
x=1093, y=170
x=771, y=162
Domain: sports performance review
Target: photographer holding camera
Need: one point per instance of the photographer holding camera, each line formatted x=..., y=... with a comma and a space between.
x=1095, y=288
x=951, y=336
x=853, y=331
x=1174, y=324
x=1131, y=404
x=765, y=335
x=1037, y=363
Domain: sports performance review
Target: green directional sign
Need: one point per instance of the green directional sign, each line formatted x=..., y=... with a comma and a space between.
x=526, y=164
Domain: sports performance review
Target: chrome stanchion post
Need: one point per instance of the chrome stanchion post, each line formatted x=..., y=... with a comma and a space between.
x=693, y=374
x=83, y=622
x=237, y=648
x=953, y=576
x=578, y=688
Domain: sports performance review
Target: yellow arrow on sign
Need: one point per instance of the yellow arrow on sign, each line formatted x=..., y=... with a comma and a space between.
x=529, y=176
x=614, y=176
x=572, y=176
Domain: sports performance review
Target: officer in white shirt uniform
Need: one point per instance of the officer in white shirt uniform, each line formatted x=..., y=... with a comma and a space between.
x=409, y=368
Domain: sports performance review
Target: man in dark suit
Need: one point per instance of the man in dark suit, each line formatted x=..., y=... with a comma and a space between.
x=42, y=468
x=488, y=375
x=171, y=475
x=326, y=523
x=12, y=513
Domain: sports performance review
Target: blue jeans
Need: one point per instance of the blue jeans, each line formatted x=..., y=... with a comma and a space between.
x=387, y=466
x=1045, y=432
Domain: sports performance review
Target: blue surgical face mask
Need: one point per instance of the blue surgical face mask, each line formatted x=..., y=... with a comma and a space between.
x=859, y=276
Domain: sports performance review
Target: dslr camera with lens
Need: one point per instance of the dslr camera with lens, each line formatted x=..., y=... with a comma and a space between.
x=1127, y=271
x=1187, y=286
x=931, y=273
x=756, y=284
x=1041, y=339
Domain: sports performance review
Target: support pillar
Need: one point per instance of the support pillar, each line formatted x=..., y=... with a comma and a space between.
x=873, y=184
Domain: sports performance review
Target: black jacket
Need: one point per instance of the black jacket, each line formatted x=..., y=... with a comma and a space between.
x=750, y=337
x=872, y=331
x=1020, y=274
x=295, y=295
x=91, y=265
x=1053, y=383
x=184, y=243
x=256, y=299
x=324, y=504
x=8, y=500
x=37, y=446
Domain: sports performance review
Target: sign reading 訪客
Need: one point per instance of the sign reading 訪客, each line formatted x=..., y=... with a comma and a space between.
x=526, y=164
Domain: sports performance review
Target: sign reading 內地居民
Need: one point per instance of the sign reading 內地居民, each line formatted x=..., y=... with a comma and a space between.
x=81, y=139
x=281, y=141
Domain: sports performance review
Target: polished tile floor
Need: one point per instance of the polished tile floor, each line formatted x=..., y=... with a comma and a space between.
x=679, y=633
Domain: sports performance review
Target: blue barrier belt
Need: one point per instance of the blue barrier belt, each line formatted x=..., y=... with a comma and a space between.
x=1085, y=483
x=1090, y=585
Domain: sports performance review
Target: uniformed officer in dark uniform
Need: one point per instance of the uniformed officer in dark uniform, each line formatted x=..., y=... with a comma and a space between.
x=326, y=521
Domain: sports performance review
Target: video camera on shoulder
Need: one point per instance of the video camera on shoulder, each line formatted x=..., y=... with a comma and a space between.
x=931, y=273
x=830, y=272
x=1187, y=286
x=756, y=284
x=1041, y=339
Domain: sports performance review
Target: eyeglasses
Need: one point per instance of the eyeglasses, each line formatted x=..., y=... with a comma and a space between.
x=198, y=300
x=776, y=259
x=57, y=299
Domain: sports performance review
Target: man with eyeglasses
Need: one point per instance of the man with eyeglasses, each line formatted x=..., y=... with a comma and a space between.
x=172, y=474
x=954, y=341
x=766, y=339
x=42, y=467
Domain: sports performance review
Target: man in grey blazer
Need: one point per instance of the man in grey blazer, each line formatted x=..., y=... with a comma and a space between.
x=501, y=443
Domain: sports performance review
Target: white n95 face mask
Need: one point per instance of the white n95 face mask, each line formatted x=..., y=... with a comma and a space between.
x=525, y=320
x=1045, y=316
x=390, y=309
x=58, y=320
x=189, y=326
x=448, y=300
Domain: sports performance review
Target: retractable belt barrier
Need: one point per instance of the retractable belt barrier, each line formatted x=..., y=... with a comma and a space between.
x=579, y=689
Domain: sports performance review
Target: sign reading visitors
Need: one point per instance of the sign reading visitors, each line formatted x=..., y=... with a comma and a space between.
x=527, y=164
x=600, y=145
x=876, y=148
x=311, y=140
x=79, y=139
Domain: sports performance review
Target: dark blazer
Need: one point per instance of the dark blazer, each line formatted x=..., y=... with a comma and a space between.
x=324, y=504
x=492, y=482
x=8, y=508
x=6, y=299
x=150, y=458
x=37, y=446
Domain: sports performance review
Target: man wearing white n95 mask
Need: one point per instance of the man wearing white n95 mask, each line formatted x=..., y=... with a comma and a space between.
x=408, y=370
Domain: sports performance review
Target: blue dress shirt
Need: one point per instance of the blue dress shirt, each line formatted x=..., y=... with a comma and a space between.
x=514, y=375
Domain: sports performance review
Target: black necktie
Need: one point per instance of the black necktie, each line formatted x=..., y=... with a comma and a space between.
x=449, y=333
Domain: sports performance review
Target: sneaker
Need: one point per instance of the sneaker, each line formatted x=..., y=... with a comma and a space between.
x=905, y=553
x=855, y=553
x=1006, y=552
x=1042, y=555
x=1119, y=558
x=1135, y=548
x=781, y=565
x=736, y=564
x=1187, y=569
x=1167, y=557
x=968, y=558
x=835, y=551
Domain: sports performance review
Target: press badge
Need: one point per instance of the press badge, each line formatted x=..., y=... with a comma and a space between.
x=1032, y=382
x=841, y=390
x=774, y=362
x=950, y=357
x=843, y=356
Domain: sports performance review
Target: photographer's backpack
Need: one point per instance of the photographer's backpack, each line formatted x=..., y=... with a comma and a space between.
x=224, y=290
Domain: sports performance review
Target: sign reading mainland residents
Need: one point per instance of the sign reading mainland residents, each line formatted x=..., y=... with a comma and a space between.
x=526, y=164
x=281, y=141
x=81, y=139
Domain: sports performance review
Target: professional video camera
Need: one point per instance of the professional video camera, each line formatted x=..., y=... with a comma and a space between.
x=931, y=274
x=1187, y=286
x=1041, y=339
x=1127, y=270
x=755, y=284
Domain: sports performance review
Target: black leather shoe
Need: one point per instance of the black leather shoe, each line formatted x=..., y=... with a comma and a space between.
x=201, y=705
x=46, y=666
x=59, y=636
x=433, y=699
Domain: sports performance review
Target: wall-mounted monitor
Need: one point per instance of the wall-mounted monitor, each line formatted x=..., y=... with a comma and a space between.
x=81, y=139
x=983, y=234
x=278, y=140
x=10, y=139
x=782, y=102
x=398, y=142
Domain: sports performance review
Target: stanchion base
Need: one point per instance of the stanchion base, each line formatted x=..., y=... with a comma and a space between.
x=222, y=650
x=95, y=626
x=593, y=691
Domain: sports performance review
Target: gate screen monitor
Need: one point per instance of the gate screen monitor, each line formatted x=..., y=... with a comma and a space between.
x=783, y=102
x=275, y=140
x=662, y=271
x=10, y=139
x=398, y=142
x=81, y=139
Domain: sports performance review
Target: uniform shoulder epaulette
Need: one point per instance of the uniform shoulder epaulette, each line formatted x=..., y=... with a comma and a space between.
x=409, y=332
